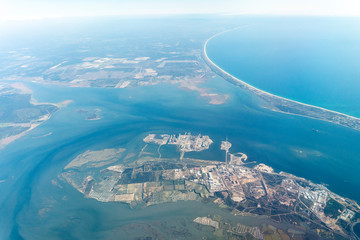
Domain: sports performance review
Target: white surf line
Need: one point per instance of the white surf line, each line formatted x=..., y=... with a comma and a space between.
x=260, y=92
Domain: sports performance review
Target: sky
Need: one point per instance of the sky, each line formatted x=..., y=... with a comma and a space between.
x=39, y=9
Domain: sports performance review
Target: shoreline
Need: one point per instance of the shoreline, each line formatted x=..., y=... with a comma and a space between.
x=35, y=122
x=281, y=104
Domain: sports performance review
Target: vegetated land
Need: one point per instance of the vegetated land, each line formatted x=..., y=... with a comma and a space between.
x=124, y=61
x=357, y=229
x=147, y=179
x=168, y=58
x=333, y=209
x=18, y=113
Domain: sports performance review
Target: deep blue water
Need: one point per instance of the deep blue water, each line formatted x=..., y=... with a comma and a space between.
x=311, y=60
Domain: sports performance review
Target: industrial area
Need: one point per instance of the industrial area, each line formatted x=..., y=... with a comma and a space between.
x=233, y=183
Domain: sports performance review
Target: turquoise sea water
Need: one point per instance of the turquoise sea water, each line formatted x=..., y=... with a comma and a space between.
x=311, y=60
x=30, y=199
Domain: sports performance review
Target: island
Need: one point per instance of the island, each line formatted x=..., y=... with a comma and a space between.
x=242, y=187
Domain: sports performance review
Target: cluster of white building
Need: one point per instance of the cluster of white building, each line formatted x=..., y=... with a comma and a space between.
x=186, y=142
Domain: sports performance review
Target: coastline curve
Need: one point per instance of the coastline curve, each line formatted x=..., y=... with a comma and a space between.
x=281, y=104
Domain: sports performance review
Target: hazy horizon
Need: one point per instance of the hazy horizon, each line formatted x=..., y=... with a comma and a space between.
x=40, y=9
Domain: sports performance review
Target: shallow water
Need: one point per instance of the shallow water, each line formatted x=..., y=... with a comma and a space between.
x=30, y=197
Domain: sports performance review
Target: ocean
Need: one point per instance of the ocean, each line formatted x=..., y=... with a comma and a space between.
x=310, y=60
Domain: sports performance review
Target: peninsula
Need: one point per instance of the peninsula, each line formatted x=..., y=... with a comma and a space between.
x=242, y=187
x=281, y=104
x=20, y=112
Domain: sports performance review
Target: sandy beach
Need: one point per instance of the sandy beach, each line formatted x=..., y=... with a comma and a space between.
x=276, y=101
